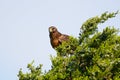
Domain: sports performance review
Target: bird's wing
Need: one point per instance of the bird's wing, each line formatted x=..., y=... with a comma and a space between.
x=63, y=37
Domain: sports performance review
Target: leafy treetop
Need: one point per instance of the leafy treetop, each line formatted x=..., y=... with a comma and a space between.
x=95, y=57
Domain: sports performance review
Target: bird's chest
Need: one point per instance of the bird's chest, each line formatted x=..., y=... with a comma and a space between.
x=55, y=42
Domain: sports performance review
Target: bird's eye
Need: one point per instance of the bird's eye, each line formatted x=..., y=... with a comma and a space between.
x=53, y=29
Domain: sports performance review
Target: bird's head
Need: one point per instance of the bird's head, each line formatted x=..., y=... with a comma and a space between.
x=53, y=32
x=52, y=29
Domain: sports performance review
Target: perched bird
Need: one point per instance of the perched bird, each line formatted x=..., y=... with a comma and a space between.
x=56, y=38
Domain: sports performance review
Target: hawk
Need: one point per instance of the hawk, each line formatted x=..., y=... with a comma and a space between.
x=56, y=38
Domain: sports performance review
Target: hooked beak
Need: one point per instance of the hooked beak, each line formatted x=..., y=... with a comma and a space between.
x=50, y=29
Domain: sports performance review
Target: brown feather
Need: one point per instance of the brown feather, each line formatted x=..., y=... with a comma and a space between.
x=56, y=38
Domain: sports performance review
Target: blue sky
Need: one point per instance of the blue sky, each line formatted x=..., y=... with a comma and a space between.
x=24, y=29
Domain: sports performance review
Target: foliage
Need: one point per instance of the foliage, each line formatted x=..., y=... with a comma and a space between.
x=93, y=56
x=34, y=74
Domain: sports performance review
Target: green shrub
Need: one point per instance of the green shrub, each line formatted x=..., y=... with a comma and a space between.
x=93, y=56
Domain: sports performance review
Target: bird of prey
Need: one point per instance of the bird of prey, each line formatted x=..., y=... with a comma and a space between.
x=56, y=38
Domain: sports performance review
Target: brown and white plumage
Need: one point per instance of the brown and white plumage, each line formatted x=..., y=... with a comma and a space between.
x=56, y=38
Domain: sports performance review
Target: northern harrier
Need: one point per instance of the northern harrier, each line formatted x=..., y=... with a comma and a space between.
x=56, y=38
